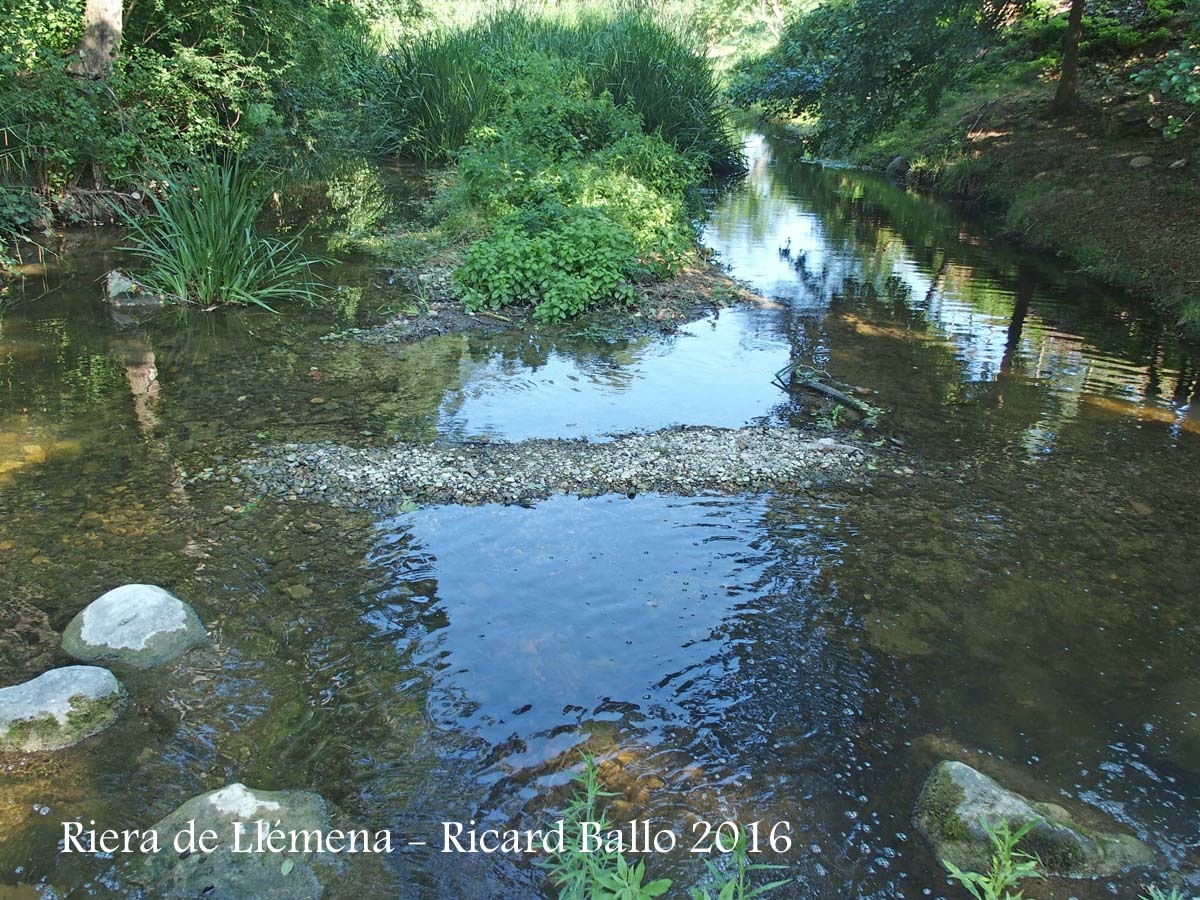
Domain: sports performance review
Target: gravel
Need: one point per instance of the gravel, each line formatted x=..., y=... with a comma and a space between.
x=682, y=461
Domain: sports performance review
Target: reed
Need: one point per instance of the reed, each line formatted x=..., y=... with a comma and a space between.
x=200, y=245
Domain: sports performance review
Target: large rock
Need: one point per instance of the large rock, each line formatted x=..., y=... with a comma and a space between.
x=897, y=169
x=59, y=708
x=228, y=874
x=137, y=625
x=957, y=801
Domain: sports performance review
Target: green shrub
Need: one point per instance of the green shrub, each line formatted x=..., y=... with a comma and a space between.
x=559, y=261
x=201, y=244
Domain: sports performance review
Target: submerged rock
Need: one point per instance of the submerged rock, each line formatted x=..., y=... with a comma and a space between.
x=123, y=292
x=59, y=708
x=957, y=801
x=138, y=625
x=236, y=811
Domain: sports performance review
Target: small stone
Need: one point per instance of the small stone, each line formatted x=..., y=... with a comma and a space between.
x=298, y=591
x=1178, y=164
x=957, y=800
x=1140, y=162
x=317, y=401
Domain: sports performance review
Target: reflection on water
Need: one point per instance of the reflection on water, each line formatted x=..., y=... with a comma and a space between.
x=1027, y=604
x=524, y=387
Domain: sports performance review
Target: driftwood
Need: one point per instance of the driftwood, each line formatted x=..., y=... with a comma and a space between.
x=819, y=387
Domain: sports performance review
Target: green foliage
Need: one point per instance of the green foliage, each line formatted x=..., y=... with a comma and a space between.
x=604, y=874
x=559, y=261
x=1155, y=893
x=570, y=183
x=1008, y=865
x=273, y=79
x=436, y=90
x=858, y=64
x=201, y=244
x=734, y=883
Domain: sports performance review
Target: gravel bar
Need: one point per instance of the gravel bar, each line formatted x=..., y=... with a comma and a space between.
x=683, y=461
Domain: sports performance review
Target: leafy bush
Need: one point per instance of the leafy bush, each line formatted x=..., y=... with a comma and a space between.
x=560, y=262
x=1009, y=866
x=201, y=244
x=604, y=872
x=567, y=192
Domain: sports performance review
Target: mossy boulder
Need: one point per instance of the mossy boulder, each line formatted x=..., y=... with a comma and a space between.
x=59, y=708
x=958, y=802
x=225, y=873
x=137, y=625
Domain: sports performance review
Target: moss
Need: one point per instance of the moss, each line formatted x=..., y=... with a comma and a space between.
x=87, y=716
x=25, y=733
x=938, y=809
x=1057, y=851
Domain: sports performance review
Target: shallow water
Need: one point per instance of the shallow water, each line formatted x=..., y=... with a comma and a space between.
x=1027, y=599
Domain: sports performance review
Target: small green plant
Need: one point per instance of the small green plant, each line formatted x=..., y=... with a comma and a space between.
x=734, y=882
x=581, y=875
x=1008, y=867
x=201, y=245
x=604, y=874
x=1155, y=893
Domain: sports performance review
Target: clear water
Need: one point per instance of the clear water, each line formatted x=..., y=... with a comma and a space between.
x=1027, y=601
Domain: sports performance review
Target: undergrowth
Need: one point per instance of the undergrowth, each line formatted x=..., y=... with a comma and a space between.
x=578, y=147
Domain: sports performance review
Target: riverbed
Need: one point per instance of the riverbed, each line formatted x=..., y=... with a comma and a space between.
x=1016, y=586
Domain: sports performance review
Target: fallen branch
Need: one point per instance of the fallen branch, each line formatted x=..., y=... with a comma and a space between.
x=866, y=410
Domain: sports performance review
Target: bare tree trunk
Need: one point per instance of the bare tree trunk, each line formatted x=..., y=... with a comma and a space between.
x=1068, y=82
x=101, y=39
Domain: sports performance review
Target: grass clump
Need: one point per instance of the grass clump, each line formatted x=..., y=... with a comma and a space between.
x=575, y=175
x=439, y=87
x=201, y=244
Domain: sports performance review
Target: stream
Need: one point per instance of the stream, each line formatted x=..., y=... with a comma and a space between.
x=1025, y=593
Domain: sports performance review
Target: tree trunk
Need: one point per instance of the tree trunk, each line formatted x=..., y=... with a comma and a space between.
x=101, y=39
x=1068, y=82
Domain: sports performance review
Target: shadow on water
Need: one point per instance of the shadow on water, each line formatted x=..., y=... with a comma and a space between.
x=1025, y=602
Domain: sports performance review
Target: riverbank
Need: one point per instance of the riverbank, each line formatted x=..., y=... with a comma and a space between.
x=1102, y=188
x=683, y=461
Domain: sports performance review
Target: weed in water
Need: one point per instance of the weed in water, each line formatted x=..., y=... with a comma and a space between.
x=201, y=245
x=1009, y=865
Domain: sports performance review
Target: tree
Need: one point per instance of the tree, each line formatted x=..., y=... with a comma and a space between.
x=101, y=39
x=1068, y=83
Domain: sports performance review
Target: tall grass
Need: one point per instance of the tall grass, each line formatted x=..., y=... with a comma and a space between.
x=433, y=92
x=201, y=245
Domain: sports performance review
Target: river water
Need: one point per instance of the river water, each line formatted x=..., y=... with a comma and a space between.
x=1024, y=600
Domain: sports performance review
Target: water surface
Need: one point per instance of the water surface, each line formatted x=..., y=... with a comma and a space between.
x=1025, y=601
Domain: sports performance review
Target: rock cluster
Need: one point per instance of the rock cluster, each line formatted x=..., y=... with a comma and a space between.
x=138, y=626
x=674, y=461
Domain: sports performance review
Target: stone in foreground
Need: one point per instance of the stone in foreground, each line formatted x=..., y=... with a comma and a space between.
x=956, y=800
x=137, y=625
x=226, y=874
x=59, y=708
